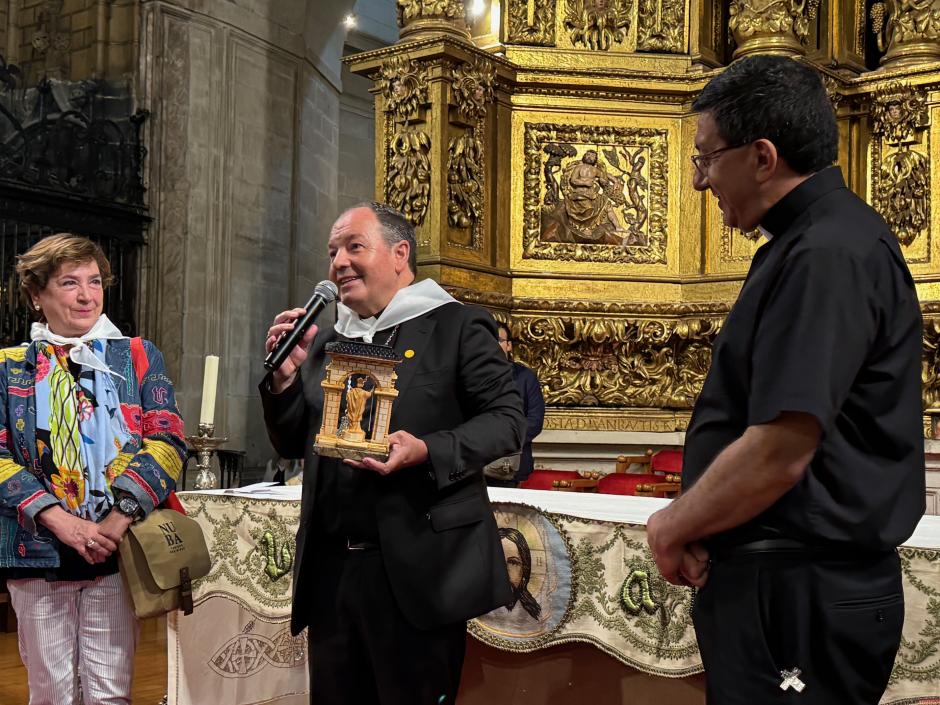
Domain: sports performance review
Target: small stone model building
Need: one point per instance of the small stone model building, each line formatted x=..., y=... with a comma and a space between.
x=349, y=366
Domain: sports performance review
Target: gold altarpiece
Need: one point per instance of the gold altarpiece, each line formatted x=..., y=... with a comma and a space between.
x=541, y=148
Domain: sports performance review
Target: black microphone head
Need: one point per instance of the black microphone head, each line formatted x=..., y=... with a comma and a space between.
x=327, y=290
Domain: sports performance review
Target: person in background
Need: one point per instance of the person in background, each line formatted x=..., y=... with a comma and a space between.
x=533, y=405
x=85, y=451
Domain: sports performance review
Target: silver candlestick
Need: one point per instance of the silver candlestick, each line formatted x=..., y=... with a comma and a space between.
x=205, y=444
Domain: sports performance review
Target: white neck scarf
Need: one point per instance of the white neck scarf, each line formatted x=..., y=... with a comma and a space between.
x=408, y=303
x=80, y=353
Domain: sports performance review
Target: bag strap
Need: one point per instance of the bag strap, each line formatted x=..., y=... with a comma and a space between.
x=139, y=358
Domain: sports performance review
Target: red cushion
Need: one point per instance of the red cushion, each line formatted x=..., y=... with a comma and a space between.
x=624, y=483
x=667, y=461
x=542, y=479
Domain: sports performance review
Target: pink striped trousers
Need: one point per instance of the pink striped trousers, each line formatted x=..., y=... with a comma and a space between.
x=71, y=630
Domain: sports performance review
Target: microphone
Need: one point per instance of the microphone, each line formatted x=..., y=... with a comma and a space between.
x=325, y=292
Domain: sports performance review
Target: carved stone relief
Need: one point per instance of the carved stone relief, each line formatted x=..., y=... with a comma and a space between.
x=595, y=194
x=661, y=26
x=403, y=84
x=52, y=42
x=532, y=22
x=901, y=171
x=597, y=24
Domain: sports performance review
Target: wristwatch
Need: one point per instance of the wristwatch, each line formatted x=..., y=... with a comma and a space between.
x=128, y=506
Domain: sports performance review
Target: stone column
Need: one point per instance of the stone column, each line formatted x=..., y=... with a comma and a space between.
x=419, y=19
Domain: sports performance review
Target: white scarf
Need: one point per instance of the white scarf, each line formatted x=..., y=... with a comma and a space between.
x=408, y=303
x=80, y=353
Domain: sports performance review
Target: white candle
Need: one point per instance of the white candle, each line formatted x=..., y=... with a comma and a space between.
x=210, y=380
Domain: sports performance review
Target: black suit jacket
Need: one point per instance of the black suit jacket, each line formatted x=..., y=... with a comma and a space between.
x=437, y=533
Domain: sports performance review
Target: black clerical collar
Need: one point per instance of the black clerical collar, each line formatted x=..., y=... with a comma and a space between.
x=785, y=211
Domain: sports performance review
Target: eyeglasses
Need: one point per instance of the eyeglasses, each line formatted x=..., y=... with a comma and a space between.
x=703, y=161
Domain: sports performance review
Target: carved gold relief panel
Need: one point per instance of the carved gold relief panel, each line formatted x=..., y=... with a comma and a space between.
x=472, y=90
x=727, y=250
x=620, y=361
x=531, y=22
x=901, y=174
x=403, y=86
x=597, y=194
x=604, y=26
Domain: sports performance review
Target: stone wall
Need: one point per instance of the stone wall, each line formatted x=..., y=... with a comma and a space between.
x=244, y=153
x=72, y=39
x=4, y=25
x=356, y=141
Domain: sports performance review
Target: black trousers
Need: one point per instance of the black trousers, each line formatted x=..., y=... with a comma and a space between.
x=362, y=649
x=837, y=620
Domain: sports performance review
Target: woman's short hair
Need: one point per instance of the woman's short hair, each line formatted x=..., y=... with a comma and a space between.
x=41, y=261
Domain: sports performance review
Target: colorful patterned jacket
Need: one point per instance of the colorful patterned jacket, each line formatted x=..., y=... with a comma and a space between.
x=147, y=467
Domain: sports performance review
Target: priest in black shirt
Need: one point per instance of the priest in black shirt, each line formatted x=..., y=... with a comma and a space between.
x=804, y=460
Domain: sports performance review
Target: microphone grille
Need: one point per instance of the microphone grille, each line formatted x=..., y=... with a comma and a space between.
x=327, y=290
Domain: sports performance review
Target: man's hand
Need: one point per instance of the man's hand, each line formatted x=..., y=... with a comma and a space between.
x=284, y=376
x=115, y=525
x=84, y=536
x=695, y=565
x=405, y=450
x=679, y=563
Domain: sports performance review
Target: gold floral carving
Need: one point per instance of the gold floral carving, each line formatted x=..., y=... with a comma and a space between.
x=595, y=194
x=411, y=10
x=596, y=24
x=833, y=90
x=901, y=173
x=781, y=25
x=403, y=84
x=907, y=30
x=532, y=22
x=661, y=26
x=472, y=88
x=408, y=179
x=472, y=85
x=633, y=362
x=465, y=181
x=728, y=253
x=930, y=369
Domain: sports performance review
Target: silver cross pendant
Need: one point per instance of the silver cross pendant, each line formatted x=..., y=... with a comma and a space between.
x=791, y=679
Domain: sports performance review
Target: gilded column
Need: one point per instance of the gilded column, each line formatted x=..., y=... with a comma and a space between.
x=419, y=19
x=908, y=31
x=771, y=26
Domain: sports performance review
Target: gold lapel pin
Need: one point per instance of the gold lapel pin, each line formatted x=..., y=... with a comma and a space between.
x=409, y=353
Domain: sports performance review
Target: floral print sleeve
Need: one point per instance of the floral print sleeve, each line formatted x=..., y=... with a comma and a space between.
x=21, y=493
x=151, y=473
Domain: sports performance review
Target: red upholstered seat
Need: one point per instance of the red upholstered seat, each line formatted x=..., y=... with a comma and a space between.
x=625, y=483
x=542, y=479
x=667, y=461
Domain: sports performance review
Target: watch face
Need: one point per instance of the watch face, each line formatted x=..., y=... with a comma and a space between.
x=128, y=505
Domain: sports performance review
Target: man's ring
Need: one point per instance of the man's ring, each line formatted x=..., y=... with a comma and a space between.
x=90, y=543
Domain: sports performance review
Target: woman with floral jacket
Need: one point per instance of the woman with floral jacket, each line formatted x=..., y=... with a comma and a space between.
x=90, y=441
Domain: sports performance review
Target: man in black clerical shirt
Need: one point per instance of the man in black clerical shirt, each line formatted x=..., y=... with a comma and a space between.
x=392, y=558
x=804, y=465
